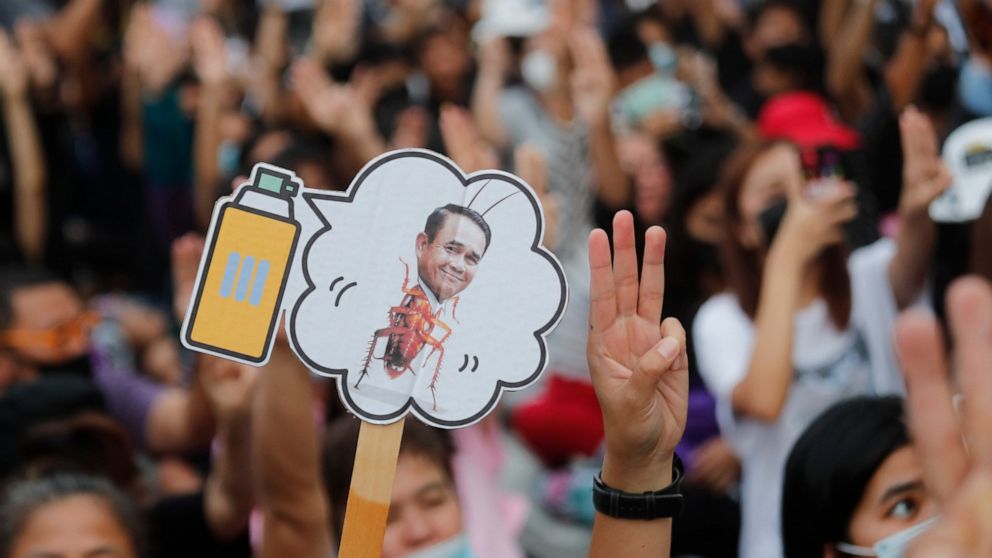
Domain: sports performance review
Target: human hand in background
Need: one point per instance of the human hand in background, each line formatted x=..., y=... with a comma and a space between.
x=715, y=466
x=155, y=54
x=37, y=53
x=186, y=253
x=531, y=165
x=13, y=70
x=924, y=175
x=593, y=82
x=208, y=49
x=639, y=368
x=812, y=224
x=956, y=453
x=336, y=29
x=228, y=386
x=462, y=141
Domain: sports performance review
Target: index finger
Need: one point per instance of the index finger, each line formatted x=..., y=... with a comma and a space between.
x=602, y=293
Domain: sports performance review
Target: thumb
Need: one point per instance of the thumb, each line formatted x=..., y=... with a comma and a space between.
x=654, y=364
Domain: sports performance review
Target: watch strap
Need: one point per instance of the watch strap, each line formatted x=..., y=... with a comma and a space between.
x=666, y=502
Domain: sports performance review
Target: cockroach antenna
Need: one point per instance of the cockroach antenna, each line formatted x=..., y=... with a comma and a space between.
x=483, y=187
x=504, y=198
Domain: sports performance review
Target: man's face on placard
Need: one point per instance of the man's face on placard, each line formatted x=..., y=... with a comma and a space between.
x=448, y=262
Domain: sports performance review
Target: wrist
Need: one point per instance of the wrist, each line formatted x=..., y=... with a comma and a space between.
x=647, y=474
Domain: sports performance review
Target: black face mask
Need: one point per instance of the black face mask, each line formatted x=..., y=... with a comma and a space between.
x=76, y=367
x=771, y=218
x=939, y=86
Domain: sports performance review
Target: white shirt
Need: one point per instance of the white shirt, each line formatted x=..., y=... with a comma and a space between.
x=830, y=365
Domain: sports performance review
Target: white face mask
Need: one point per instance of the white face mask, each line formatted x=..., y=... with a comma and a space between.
x=539, y=70
x=893, y=546
x=455, y=547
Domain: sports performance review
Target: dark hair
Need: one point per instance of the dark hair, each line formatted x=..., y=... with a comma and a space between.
x=341, y=441
x=831, y=465
x=744, y=267
x=24, y=498
x=761, y=8
x=625, y=47
x=436, y=220
x=15, y=277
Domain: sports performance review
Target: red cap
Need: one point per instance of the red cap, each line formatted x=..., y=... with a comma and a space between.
x=805, y=119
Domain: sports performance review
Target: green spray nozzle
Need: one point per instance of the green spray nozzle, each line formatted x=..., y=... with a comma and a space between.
x=274, y=182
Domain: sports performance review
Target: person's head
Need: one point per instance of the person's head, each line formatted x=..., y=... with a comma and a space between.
x=774, y=23
x=449, y=250
x=69, y=516
x=424, y=510
x=853, y=478
x=43, y=323
x=756, y=180
x=442, y=54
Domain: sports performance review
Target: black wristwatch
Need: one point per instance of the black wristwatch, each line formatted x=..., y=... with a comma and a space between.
x=666, y=502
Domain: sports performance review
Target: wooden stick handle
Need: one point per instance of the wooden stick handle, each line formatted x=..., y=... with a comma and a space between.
x=371, y=489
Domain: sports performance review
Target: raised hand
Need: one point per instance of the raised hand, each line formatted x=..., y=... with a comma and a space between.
x=959, y=476
x=228, y=386
x=531, y=165
x=209, y=55
x=924, y=175
x=638, y=364
x=810, y=225
x=186, y=253
x=336, y=26
x=462, y=140
x=593, y=82
x=13, y=71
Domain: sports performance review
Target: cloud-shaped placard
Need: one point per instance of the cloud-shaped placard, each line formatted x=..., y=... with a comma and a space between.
x=427, y=291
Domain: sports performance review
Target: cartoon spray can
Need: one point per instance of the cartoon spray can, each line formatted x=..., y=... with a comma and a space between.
x=235, y=305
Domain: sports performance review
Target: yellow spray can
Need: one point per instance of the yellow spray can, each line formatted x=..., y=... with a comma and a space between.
x=235, y=305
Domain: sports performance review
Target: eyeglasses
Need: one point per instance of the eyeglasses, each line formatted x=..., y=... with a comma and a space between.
x=51, y=338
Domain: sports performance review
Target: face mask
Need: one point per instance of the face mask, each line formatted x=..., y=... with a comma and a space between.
x=539, y=70
x=455, y=547
x=662, y=58
x=939, y=86
x=893, y=546
x=228, y=157
x=80, y=366
x=976, y=87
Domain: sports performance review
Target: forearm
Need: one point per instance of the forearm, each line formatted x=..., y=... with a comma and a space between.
x=637, y=538
x=31, y=216
x=905, y=71
x=286, y=455
x=132, y=141
x=844, y=64
x=763, y=391
x=180, y=420
x=207, y=142
x=613, y=187
x=229, y=498
x=831, y=17
x=68, y=29
x=911, y=262
x=486, y=107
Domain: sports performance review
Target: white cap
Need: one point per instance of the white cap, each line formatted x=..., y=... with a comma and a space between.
x=968, y=155
x=511, y=18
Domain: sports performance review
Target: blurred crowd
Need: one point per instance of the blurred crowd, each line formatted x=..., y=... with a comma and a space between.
x=791, y=149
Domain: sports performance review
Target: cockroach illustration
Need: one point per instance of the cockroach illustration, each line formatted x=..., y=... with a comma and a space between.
x=411, y=327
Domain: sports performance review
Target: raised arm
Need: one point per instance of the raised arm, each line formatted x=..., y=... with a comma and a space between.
x=489, y=82
x=924, y=177
x=593, y=85
x=286, y=456
x=30, y=212
x=904, y=72
x=228, y=497
x=209, y=60
x=640, y=372
x=845, y=52
x=807, y=228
